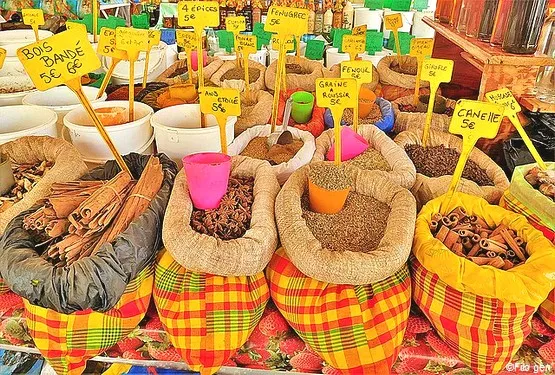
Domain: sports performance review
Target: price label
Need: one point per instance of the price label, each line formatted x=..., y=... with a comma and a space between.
x=33, y=17
x=504, y=97
x=402, y=5
x=246, y=44
x=420, y=4
x=374, y=4
x=354, y=44
x=359, y=30
x=289, y=43
x=360, y=70
x=235, y=24
x=226, y=39
x=337, y=40
x=222, y=103
x=332, y=92
x=315, y=49
x=473, y=119
x=198, y=14
x=437, y=70
x=154, y=37
x=393, y=22
x=421, y=47
x=287, y=21
x=58, y=59
x=186, y=39
x=131, y=40
x=2, y=57
x=107, y=45
x=374, y=41
x=263, y=38
x=76, y=26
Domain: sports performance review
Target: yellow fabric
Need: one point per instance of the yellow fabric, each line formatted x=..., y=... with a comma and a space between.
x=117, y=369
x=527, y=284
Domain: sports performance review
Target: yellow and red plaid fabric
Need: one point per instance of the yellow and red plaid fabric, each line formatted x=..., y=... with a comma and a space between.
x=356, y=329
x=547, y=310
x=511, y=203
x=207, y=317
x=67, y=341
x=485, y=332
x=3, y=287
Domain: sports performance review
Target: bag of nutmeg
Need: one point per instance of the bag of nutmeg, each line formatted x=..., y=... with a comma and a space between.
x=209, y=289
x=479, y=272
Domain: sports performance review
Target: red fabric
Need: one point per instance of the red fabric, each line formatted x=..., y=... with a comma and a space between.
x=316, y=123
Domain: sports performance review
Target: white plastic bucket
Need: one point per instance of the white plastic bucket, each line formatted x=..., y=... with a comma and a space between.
x=61, y=100
x=157, y=63
x=147, y=149
x=178, y=133
x=274, y=53
x=260, y=56
x=407, y=21
x=419, y=28
x=371, y=18
x=23, y=120
x=128, y=137
x=22, y=37
x=377, y=57
x=334, y=57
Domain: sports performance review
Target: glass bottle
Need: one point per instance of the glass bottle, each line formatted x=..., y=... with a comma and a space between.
x=444, y=8
x=337, y=20
x=524, y=26
x=488, y=20
x=545, y=81
x=474, y=12
x=500, y=24
x=328, y=21
x=455, y=13
x=311, y=17
x=463, y=16
x=348, y=15
x=319, y=19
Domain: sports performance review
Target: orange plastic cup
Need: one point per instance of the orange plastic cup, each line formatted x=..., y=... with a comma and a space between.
x=110, y=116
x=366, y=99
x=324, y=201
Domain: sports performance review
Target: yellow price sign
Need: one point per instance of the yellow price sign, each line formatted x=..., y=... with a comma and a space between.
x=235, y=24
x=361, y=71
x=420, y=48
x=289, y=43
x=287, y=21
x=154, y=37
x=505, y=98
x=435, y=71
x=359, y=30
x=107, y=45
x=76, y=26
x=33, y=18
x=198, y=14
x=3, y=54
x=246, y=44
x=393, y=21
x=186, y=39
x=58, y=59
x=354, y=44
x=337, y=94
x=221, y=103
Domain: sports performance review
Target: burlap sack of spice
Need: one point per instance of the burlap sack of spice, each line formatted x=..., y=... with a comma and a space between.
x=306, y=81
x=390, y=77
x=256, y=109
x=405, y=120
x=316, y=288
x=426, y=188
x=481, y=312
x=68, y=166
x=402, y=171
x=283, y=170
x=169, y=77
x=247, y=255
x=239, y=84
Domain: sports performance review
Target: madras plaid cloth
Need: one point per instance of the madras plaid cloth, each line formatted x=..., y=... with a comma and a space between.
x=485, y=332
x=68, y=341
x=547, y=310
x=207, y=317
x=356, y=329
x=3, y=287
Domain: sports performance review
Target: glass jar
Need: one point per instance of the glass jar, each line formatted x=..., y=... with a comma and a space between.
x=474, y=11
x=524, y=26
x=463, y=16
x=444, y=9
x=488, y=20
x=500, y=24
x=455, y=13
x=545, y=81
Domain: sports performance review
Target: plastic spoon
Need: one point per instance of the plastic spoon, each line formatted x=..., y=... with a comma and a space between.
x=285, y=137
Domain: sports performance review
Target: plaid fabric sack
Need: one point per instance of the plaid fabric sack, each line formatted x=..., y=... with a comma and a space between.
x=207, y=317
x=483, y=313
x=547, y=310
x=67, y=341
x=357, y=329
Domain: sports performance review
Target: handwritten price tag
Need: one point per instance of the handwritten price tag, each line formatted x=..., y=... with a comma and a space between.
x=235, y=24
x=393, y=22
x=437, y=70
x=359, y=30
x=33, y=17
x=221, y=103
x=287, y=21
x=354, y=44
x=107, y=45
x=421, y=48
x=2, y=57
x=289, y=43
x=186, y=39
x=154, y=37
x=198, y=14
x=246, y=44
x=132, y=40
x=55, y=60
x=76, y=26
x=360, y=70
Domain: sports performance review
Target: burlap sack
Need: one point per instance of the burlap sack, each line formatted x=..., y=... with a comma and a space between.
x=239, y=84
x=305, y=82
x=391, y=77
x=244, y=256
x=335, y=72
x=402, y=169
x=404, y=120
x=256, y=109
x=353, y=268
x=169, y=76
x=426, y=188
x=283, y=170
x=68, y=166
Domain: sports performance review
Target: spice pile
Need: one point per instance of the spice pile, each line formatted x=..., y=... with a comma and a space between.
x=232, y=218
x=329, y=176
x=411, y=108
x=277, y=154
x=470, y=237
x=544, y=181
x=294, y=69
x=358, y=227
x=374, y=116
x=404, y=67
x=26, y=176
x=80, y=216
x=437, y=161
x=371, y=159
x=239, y=73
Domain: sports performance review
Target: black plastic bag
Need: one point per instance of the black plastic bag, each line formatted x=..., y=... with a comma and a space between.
x=96, y=282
